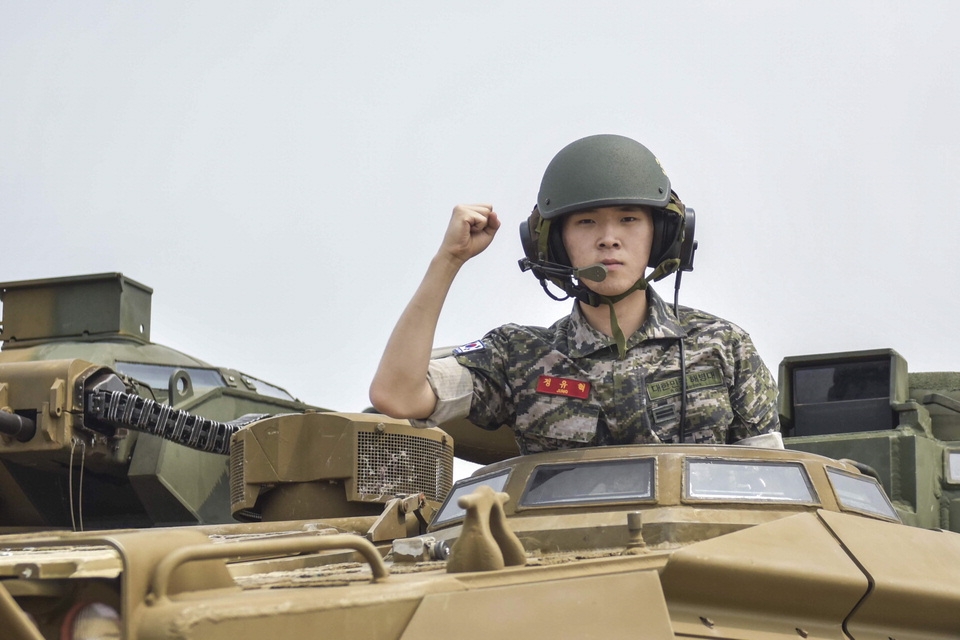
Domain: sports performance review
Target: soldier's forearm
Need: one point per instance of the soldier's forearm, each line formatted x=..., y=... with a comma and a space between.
x=400, y=387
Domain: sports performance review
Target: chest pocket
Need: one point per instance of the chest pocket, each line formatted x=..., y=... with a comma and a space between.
x=557, y=421
x=709, y=413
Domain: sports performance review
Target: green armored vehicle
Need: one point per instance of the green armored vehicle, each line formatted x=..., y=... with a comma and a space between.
x=77, y=366
x=902, y=427
x=350, y=526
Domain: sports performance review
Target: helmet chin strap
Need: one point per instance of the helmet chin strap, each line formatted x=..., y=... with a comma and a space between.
x=664, y=268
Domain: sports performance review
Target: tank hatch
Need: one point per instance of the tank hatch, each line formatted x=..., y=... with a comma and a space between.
x=78, y=307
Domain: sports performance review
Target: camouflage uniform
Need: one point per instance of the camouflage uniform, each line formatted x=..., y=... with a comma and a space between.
x=530, y=377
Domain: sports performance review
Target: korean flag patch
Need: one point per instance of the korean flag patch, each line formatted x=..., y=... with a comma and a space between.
x=476, y=345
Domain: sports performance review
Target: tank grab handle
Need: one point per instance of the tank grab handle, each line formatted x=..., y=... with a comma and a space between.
x=306, y=544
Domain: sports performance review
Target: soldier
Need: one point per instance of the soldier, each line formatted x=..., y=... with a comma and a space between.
x=608, y=373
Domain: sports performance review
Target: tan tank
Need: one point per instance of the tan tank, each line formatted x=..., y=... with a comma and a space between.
x=351, y=528
x=638, y=542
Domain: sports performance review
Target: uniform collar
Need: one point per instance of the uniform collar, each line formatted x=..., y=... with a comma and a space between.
x=583, y=340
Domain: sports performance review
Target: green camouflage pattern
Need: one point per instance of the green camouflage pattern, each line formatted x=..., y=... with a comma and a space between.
x=731, y=394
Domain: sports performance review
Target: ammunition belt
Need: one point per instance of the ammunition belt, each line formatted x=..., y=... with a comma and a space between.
x=130, y=411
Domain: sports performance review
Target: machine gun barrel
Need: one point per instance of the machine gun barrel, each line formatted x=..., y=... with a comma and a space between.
x=16, y=426
x=117, y=409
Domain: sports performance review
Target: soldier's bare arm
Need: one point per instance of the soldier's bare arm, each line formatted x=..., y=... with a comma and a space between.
x=400, y=388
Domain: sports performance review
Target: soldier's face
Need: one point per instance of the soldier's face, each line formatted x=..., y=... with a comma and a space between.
x=619, y=237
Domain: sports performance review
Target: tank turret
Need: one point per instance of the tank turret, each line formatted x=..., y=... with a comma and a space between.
x=865, y=406
x=102, y=428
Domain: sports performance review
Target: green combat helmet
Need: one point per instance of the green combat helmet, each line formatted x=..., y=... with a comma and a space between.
x=600, y=171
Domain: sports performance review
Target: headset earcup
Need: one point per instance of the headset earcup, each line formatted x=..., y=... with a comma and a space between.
x=530, y=239
x=528, y=236
x=666, y=238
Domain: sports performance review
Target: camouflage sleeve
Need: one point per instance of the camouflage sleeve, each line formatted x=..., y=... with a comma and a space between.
x=753, y=396
x=492, y=404
x=452, y=383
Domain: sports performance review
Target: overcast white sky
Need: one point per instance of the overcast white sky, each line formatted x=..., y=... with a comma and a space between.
x=281, y=172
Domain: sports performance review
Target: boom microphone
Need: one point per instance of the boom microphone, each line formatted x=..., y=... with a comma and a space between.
x=594, y=272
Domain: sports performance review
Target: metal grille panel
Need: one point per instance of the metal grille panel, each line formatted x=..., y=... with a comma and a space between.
x=237, y=484
x=389, y=464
